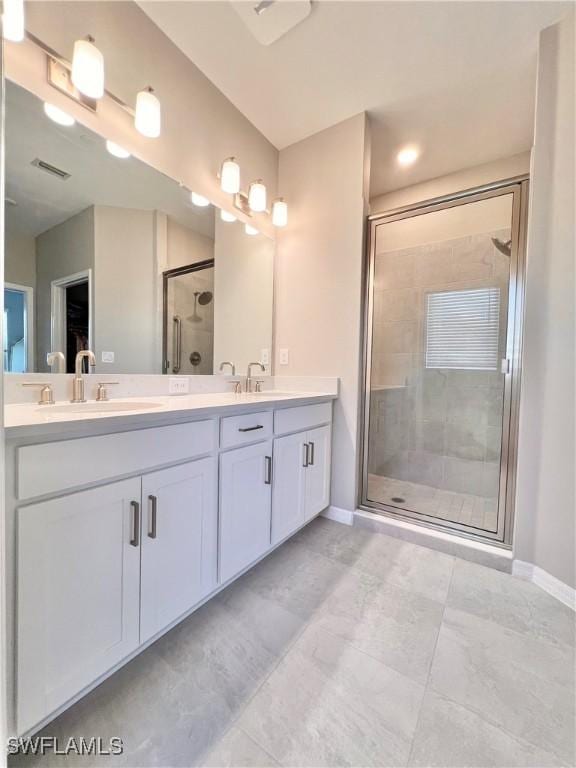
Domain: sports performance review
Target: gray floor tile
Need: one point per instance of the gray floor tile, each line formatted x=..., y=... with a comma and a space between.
x=327, y=704
x=392, y=625
x=238, y=750
x=395, y=561
x=451, y=736
x=521, y=682
x=510, y=602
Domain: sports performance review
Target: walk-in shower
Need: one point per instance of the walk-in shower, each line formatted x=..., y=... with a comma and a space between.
x=442, y=340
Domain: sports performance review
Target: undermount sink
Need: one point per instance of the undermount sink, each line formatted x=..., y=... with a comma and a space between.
x=114, y=406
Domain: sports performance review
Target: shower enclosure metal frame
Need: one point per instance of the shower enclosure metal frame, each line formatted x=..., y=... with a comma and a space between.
x=176, y=272
x=518, y=188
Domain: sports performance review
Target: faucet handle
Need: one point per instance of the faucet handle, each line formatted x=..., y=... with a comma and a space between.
x=258, y=385
x=102, y=392
x=46, y=393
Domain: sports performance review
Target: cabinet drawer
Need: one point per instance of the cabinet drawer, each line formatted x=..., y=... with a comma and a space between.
x=53, y=467
x=248, y=428
x=303, y=417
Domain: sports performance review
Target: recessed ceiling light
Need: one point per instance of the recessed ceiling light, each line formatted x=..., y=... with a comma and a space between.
x=58, y=115
x=407, y=156
x=117, y=150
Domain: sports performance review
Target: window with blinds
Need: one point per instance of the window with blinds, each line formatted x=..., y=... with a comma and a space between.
x=462, y=329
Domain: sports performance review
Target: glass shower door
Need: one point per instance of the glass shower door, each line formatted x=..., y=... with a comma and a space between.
x=440, y=347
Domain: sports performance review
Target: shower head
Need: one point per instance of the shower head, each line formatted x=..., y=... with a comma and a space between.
x=204, y=298
x=505, y=248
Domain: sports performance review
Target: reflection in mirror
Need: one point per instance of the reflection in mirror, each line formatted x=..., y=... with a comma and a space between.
x=105, y=253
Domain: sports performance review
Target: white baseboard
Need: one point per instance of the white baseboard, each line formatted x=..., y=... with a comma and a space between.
x=339, y=515
x=545, y=580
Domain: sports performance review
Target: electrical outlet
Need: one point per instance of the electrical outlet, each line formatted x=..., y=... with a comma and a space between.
x=284, y=356
x=265, y=357
x=107, y=357
x=178, y=385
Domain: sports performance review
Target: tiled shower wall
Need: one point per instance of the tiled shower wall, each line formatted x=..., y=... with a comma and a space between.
x=436, y=427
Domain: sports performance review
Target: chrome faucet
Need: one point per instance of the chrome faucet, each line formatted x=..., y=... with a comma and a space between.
x=249, y=375
x=232, y=367
x=53, y=357
x=78, y=381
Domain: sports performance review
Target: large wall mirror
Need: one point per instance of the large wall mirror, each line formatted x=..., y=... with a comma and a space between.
x=108, y=254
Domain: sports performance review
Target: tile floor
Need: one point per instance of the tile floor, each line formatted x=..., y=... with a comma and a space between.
x=347, y=648
x=476, y=511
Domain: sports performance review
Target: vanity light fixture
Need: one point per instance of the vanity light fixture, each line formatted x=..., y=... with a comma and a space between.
x=250, y=230
x=148, y=117
x=257, y=196
x=199, y=200
x=225, y=216
x=88, y=68
x=117, y=150
x=58, y=115
x=13, y=20
x=279, y=212
x=407, y=156
x=230, y=176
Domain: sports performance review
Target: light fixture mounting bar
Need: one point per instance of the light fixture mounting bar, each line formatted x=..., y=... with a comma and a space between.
x=241, y=203
x=60, y=77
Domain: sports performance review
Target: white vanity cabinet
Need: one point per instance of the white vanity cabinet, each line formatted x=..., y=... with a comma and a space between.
x=179, y=535
x=78, y=594
x=245, y=507
x=301, y=480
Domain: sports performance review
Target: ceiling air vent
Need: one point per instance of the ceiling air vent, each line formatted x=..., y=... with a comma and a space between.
x=44, y=166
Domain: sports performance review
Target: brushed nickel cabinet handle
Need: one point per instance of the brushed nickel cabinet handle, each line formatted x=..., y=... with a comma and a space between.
x=135, y=540
x=153, y=501
x=306, y=456
x=250, y=429
x=268, y=475
x=311, y=454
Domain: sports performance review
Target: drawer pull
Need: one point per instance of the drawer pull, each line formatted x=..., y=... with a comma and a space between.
x=311, y=460
x=306, y=461
x=268, y=475
x=135, y=540
x=153, y=512
x=250, y=429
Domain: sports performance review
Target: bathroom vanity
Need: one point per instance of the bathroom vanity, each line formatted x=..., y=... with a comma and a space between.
x=122, y=522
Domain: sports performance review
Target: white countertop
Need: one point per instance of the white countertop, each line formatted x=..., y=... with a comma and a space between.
x=33, y=420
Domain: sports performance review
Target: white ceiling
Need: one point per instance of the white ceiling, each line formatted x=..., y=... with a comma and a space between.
x=457, y=78
x=96, y=178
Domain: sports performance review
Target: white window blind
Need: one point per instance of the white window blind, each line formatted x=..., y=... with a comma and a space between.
x=462, y=329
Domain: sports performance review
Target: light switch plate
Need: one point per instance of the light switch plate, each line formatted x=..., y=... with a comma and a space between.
x=107, y=357
x=265, y=357
x=178, y=385
x=284, y=356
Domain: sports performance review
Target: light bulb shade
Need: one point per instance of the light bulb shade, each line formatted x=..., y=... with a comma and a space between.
x=230, y=176
x=225, y=216
x=279, y=213
x=58, y=115
x=199, y=200
x=88, y=69
x=148, y=119
x=117, y=150
x=13, y=20
x=250, y=230
x=257, y=196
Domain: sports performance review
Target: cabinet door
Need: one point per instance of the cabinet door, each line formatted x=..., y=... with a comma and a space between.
x=318, y=471
x=245, y=507
x=289, y=485
x=78, y=593
x=179, y=532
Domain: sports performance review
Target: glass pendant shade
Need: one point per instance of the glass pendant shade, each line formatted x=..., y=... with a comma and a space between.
x=257, y=196
x=230, y=176
x=88, y=69
x=148, y=119
x=225, y=216
x=58, y=115
x=13, y=20
x=117, y=150
x=199, y=200
x=279, y=213
x=250, y=230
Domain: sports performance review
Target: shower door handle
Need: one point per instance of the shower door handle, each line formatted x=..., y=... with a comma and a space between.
x=177, y=343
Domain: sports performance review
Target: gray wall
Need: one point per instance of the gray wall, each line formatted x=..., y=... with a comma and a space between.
x=20, y=259
x=545, y=517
